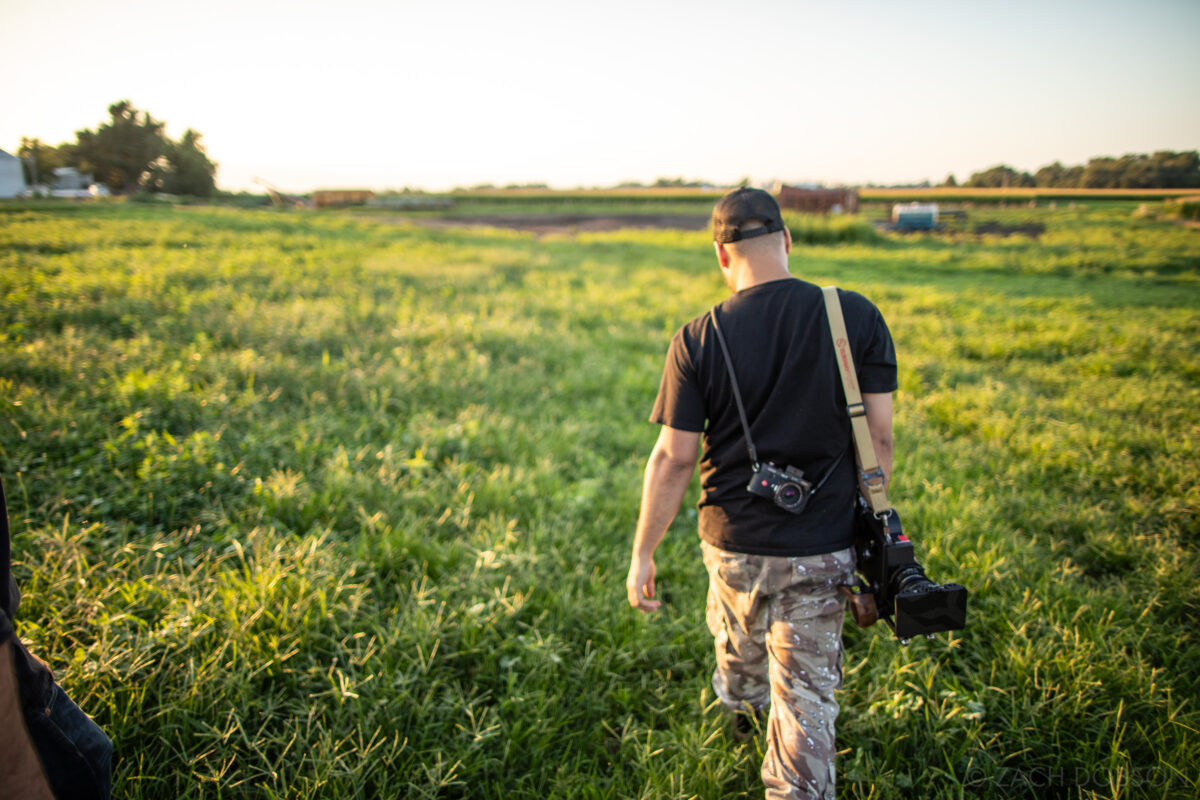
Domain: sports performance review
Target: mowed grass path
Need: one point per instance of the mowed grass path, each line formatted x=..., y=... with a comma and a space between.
x=310, y=506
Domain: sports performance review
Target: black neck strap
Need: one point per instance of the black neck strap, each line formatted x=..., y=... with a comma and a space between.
x=737, y=395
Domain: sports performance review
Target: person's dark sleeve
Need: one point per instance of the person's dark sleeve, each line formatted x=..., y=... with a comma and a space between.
x=877, y=375
x=33, y=677
x=875, y=356
x=10, y=598
x=679, y=404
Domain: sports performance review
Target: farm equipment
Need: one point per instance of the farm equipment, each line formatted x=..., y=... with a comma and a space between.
x=282, y=199
x=915, y=217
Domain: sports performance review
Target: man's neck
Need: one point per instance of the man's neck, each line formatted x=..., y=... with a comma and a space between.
x=749, y=276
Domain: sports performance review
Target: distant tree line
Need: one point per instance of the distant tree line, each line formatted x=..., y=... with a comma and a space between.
x=491, y=187
x=1164, y=169
x=129, y=153
x=667, y=183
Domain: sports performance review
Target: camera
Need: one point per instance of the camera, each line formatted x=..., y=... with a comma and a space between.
x=894, y=585
x=786, y=487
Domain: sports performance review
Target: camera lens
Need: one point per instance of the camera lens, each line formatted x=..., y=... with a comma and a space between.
x=789, y=495
x=912, y=579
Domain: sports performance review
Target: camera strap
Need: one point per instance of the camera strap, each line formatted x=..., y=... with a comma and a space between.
x=868, y=462
x=737, y=396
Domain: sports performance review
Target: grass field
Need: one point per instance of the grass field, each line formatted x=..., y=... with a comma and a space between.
x=310, y=505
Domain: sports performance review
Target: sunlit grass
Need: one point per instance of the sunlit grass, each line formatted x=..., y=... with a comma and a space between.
x=317, y=505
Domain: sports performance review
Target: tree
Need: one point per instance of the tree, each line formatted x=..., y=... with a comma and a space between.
x=185, y=167
x=1050, y=176
x=950, y=181
x=121, y=153
x=1163, y=170
x=1177, y=170
x=40, y=159
x=1000, y=176
x=129, y=153
x=1072, y=177
x=1101, y=173
x=1137, y=172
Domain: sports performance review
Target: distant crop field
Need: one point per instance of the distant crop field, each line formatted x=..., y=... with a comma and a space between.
x=699, y=201
x=700, y=195
x=323, y=505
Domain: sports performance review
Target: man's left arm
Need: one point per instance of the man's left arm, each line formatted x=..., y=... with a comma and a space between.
x=879, y=422
x=668, y=473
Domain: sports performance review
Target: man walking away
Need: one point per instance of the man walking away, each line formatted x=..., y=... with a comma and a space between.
x=773, y=605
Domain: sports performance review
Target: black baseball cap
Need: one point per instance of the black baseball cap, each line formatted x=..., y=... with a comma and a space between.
x=741, y=206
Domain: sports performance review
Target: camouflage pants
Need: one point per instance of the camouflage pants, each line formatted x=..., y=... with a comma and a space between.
x=777, y=622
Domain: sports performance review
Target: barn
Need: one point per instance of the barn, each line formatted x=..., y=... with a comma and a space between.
x=818, y=201
x=12, y=176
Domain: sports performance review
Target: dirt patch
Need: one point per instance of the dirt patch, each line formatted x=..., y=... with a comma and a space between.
x=1031, y=229
x=542, y=224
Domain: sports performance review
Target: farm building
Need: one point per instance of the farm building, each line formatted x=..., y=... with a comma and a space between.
x=323, y=198
x=818, y=201
x=12, y=177
x=71, y=183
x=70, y=179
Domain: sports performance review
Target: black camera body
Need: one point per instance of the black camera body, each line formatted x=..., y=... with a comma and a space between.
x=786, y=487
x=910, y=603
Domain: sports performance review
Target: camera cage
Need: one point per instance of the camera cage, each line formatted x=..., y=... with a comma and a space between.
x=893, y=584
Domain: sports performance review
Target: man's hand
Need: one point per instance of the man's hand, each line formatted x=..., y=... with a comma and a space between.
x=640, y=584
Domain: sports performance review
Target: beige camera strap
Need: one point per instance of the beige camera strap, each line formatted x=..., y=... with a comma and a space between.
x=868, y=463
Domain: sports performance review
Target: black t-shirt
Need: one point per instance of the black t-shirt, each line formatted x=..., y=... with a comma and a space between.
x=779, y=340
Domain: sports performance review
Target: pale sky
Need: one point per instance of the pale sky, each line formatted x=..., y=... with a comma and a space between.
x=374, y=94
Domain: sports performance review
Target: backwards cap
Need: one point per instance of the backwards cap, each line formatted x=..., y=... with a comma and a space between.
x=740, y=207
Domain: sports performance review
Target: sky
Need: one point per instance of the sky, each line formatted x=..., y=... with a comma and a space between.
x=385, y=95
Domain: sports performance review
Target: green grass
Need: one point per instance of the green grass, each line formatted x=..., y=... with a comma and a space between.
x=468, y=206
x=818, y=229
x=314, y=505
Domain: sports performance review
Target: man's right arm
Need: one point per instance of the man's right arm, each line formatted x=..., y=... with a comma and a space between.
x=668, y=473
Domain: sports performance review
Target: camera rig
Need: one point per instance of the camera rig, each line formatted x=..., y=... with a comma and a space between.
x=894, y=586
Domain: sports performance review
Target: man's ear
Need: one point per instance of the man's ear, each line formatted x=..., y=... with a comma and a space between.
x=787, y=240
x=722, y=255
